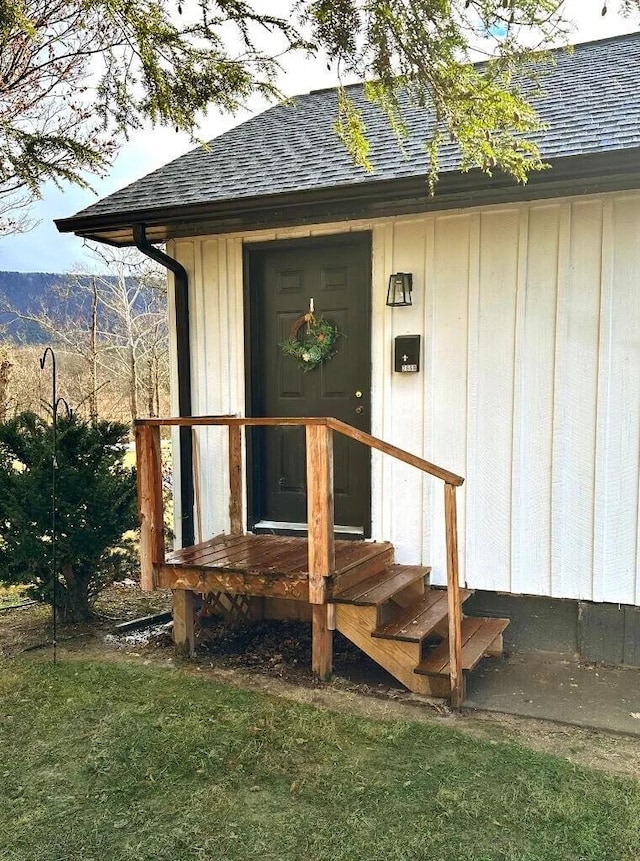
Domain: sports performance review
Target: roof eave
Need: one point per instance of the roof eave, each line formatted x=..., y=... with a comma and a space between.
x=581, y=174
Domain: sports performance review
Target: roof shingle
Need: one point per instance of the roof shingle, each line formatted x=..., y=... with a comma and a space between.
x=590, y=100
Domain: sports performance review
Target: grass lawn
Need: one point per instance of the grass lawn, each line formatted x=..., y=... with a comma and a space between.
x=108, y=761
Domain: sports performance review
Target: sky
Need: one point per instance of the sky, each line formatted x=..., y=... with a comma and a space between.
x=43, y=249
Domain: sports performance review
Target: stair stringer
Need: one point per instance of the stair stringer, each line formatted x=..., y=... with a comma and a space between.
x=398, y=658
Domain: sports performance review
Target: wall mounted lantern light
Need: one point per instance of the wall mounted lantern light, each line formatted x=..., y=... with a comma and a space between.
x=399, y=291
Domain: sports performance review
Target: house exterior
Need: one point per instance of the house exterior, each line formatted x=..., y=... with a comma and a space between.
x=527, y=303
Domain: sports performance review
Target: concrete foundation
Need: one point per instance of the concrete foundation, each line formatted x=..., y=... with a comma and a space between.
x=606, y=633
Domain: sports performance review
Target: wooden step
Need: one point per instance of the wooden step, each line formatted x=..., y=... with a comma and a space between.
x=414, y=624
x=478, y=634
x=382, y=586
x=373, y=557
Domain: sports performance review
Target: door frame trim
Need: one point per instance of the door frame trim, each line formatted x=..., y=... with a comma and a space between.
x=362, y=237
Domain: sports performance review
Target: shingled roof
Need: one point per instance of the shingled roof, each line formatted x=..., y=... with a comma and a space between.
x=590, y=100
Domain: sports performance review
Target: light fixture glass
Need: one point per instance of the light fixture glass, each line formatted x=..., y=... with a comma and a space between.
x=399, y=291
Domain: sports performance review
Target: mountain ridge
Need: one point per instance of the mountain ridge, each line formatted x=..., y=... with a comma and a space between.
x=29, y=292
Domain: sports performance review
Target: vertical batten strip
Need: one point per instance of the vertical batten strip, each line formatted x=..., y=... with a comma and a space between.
x=197, y=484
x=198, y=322
x=220, y=444
x=222, y=291
x=450, y=364
x=208, y=406
x=237, y=394
x=517, y=416
x=459, y=455
x=430, y=287
x=472, y=453
x=602, y=418
x=556, y=513
x=230, y=289
x=386, y=389
x=199, y=436
x=406, y=426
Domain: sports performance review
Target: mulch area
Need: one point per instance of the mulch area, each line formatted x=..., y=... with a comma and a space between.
x=283, y=649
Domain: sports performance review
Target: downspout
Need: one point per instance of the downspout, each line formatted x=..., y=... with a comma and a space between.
x=183, y=349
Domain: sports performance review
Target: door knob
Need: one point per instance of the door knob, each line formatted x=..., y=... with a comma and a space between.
x=358, y=394
x=359, y=410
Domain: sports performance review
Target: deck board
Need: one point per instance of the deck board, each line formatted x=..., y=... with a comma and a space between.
x=477, y=636
x=414, y=624
x=256, y=564
x=207, y=549
x=380, y=587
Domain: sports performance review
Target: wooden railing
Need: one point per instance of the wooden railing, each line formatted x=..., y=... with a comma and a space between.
x=321, y=560
x=451, y=481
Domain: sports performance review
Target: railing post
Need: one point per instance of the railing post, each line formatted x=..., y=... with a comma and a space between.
x=235, y=479
x=150, y=503
x=453, y=598
x=319, y=440
x=184, y=617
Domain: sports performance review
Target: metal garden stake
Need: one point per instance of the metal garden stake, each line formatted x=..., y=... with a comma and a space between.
x=55, y=403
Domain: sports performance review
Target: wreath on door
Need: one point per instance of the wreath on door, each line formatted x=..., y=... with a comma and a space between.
x=312, y=341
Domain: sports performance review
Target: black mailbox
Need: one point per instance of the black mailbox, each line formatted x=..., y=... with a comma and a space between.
x=407, y=354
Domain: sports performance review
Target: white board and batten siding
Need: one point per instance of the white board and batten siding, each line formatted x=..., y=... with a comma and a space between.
x=530, y=388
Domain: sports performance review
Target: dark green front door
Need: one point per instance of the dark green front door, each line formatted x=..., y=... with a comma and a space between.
x=336, y=274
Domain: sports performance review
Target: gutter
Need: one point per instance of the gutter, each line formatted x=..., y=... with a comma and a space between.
x=183, y=350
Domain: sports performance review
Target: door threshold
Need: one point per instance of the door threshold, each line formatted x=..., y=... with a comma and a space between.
x=280, y=527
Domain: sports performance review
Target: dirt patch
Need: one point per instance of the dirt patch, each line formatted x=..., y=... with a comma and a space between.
x=124, y=601
x=24, y=628
x=30, y=627
x=275, y=658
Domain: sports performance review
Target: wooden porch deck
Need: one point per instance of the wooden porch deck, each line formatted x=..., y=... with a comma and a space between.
x=264, y=565
x=388, y=610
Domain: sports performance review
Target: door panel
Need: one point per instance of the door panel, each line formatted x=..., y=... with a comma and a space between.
x=282, y=280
